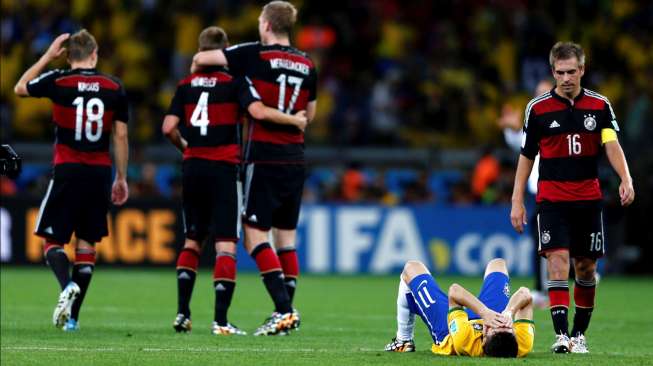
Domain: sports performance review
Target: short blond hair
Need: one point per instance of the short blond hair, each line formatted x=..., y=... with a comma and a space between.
x=281, y=15
x=212, y=38
x=565, y=51
x=80, y=46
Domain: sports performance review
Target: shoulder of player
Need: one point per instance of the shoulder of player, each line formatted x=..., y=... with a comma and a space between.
x=70, y=78
x=537, y=101
x=243, y=46
x=54, y=74
x=594, y=95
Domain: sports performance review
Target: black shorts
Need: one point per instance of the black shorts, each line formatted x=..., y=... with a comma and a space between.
x=77, y=200
x=575, y=226
x=273, y=195
x=211, y=200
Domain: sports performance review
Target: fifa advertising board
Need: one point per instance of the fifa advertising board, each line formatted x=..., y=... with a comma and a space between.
x=346, y=239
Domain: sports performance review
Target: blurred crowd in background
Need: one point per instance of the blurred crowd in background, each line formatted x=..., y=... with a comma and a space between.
x=421, y=74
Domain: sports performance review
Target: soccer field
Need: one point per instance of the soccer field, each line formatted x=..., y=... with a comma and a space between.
x=346, y=320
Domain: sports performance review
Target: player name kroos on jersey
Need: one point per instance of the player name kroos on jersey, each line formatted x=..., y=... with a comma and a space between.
x=84, y=87
x=281, y=63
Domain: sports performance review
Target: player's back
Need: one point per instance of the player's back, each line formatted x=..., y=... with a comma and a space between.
x=207, y=103
x=85, y=105
x=286, y=79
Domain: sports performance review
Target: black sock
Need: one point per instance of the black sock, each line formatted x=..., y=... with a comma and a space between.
x=224, y=291
x=82, y=274
x=581, y=321
x=560, y=320
x=185, y=284
x=58, y=261
x=276, y=288
x=291, y=284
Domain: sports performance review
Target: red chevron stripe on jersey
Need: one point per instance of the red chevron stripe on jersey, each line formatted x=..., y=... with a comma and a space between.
x=65, y=154
x=66, y=117
x=558, y=146
x=228, y=153
x=218, y=113
x=548, y=105
x=562, y=191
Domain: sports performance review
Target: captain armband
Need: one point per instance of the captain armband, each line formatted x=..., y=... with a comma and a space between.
x=607, y=135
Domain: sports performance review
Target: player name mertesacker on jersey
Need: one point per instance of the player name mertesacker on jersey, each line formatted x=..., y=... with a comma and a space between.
x=281, y=63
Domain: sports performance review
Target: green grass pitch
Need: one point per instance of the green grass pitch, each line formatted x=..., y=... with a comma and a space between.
x=346, y=320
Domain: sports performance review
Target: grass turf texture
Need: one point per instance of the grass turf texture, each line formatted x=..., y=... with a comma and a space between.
x=346, y=320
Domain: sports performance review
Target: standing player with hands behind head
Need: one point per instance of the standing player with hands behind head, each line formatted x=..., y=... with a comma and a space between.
x=286, y=79
x=88, y=107
x=208, y=104
x=568, y=126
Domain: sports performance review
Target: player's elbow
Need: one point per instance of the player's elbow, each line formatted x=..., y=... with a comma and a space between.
x=526, y=293
x=169, y=125
x=21, y=90
x=257, y=110
x=454, y=290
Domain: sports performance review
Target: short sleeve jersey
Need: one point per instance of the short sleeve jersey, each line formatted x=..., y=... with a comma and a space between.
x=569, y=137
x=286, y=79
x=208, y=104
x=85, y=105
x=466, y=336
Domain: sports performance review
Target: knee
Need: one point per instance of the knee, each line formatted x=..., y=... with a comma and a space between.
x=496, y=265
x=225, y=247
x=193, y=245
x=558, y=266
x=413, y=269
x=585, y=269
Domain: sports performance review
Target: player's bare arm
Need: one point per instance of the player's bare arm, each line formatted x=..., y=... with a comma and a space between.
x=520, y=305
x=311, y=108
x=55, y=50
x=120, y=190
x=459, y=296
x=518, y=211
x=618, y=161
x=171, y=132
x=261, y=112
x=208, y=58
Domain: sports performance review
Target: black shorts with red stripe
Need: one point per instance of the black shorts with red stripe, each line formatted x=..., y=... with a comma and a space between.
x=77, y=201
x=573, y=226
x=273, y=195
x=211, y=200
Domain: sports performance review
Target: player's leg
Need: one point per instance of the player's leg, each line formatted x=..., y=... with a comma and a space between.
x=425, y=299
x=55, y=223
x=554, y=240
x=260, y=201
x=588, y=246
x=82, y=273
x=495, y=291
x=285, y=219
x=284, y=241
x=187, y=264
x=224, y=283
x=91, y=226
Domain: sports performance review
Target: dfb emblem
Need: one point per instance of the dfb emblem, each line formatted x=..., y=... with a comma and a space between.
x=589, y=122
x=546, y=237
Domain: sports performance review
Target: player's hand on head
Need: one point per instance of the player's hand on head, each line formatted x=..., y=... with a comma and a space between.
x=56, y=49
x=493, y=319
x=626, y=193
x=119, y=192
x=518, y=217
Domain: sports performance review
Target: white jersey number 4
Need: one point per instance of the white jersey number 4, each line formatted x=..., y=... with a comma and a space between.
x=200, y=116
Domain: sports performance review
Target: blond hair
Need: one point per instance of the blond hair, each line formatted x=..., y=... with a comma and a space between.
x=80, y=46
x=281, y=15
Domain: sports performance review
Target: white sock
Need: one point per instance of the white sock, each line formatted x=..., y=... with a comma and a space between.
x=405, y=319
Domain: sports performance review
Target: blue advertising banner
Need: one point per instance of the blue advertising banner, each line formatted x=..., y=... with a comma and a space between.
x=331, y=238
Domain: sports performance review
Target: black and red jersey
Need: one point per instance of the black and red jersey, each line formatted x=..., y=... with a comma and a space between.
x=567, y=136
x=286, y=79
x=208, y=103
x=85, y=105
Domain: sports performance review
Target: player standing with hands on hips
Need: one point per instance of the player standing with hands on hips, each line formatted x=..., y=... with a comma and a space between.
x=568, y=126
x=286, y=79
x=88, y=108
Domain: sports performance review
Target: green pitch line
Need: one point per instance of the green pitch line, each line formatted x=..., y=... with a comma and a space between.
x=346, y=320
